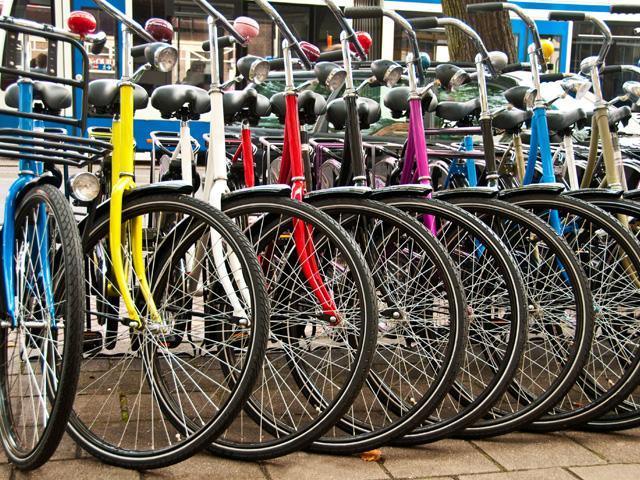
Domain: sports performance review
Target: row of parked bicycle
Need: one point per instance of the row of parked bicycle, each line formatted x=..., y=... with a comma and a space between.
x=151, y=322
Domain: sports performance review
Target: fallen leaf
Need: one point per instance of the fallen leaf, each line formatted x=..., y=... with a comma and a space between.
x=372, y=455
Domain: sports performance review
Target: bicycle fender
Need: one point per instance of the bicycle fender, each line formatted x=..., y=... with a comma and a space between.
x=632, y=194
x=594, y=193
x=174, y=186
x=278, y=190
x=412, y=190
x=359, y=192
x=556, y=188
x=484, y=192
x=47, y=178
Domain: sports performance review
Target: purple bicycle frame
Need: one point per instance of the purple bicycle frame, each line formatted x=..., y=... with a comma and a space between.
x=417, y=150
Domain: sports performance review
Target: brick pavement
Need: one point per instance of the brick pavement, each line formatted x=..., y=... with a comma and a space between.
x=518, y=456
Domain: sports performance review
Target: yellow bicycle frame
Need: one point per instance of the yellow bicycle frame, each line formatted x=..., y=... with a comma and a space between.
x=122, y=173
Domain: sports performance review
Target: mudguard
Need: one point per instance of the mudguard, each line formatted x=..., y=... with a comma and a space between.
x=632, y=194
x=594, y=193
x=413, y=190
x=485, y=192
x=339, y=191
x=557, y=188
x=47, y=178
x=275, y=190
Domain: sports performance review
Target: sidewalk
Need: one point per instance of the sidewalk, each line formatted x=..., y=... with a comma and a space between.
x=518, y=456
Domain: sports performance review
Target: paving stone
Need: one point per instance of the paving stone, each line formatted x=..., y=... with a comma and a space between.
x=622, y=447
x=77, y=470
x=306, y=466
x=522, y=451
x=67, y=449
x=5, y=472
x=538, y=474
x=614, y=472
x=209, y=467
x=446, y=457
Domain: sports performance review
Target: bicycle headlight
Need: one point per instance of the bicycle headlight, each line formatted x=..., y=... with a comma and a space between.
x=587, y=64
x=632, y=89
x=498, y=59
x=162, y=56
x=255, y=69
x=330, y=75
x=521, y=97
x=451, y=76
x=575, y=86
x=387, y=72
x=84, y=186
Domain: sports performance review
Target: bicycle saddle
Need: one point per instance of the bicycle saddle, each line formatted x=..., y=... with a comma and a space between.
x=182, y=101
x=456, y=111
x=245, y=104
x=562, y=120
x=54, y=96
x=511, y=120
x=397, y=100
x=368, y=112
x=310, y=106
x=616, y=115
x=104, y=96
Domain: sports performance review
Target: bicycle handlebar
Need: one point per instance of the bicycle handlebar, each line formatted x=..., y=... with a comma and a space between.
x=364, y=12
x=485, y=7
x=225, y=41
x=346, y=27
x=286, y=32
x=628, y=8
x=98, y=38
x=567, y=16
x=134, y=26
x=221, y=19
x=599, y=24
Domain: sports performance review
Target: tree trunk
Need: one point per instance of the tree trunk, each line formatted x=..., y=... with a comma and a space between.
x=494, y=29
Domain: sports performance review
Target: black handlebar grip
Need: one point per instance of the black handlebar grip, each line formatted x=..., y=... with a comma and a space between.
x=332, y=56
x=485, y=7
x=276, y=63
x=609, y=69
x=628, y=8
x=551, y=77
x=567, y=16
x=425, y=23
x=138, y=50
x=515, y=67
x=364, y=12
x=225, y=41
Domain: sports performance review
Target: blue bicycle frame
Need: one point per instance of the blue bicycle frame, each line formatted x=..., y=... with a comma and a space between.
x=28, y=171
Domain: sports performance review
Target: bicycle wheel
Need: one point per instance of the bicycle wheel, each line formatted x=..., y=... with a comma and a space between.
x=147, y=403
x=610, y=256
x=313, y=368
x=498, y=320
x=41, y=354
x=560, y=315
x=422, y=328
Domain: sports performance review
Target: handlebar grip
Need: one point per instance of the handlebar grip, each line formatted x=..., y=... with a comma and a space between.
x=567, y=16
x=225, y=41
x=364, y=12
x=276, y=63
x=551, y=77
x=515, y=67
x=609, y=69
x=138, y=50
x=332, y=56
x=485, y=7
x=628, y=8
x=425, y=23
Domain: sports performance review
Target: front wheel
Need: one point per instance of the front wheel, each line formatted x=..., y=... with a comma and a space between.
x=41, y=353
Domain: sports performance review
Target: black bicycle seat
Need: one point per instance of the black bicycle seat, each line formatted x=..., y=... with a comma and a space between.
x=511, y=120
x=562, y=120
x=54, y=96
x=181, y=101
x=104, y=96
x=310, y=106
x=456, y=111
x=245, y=104
x=397, y=100
x=368, y=112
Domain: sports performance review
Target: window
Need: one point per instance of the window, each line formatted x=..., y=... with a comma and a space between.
x=43, y=53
